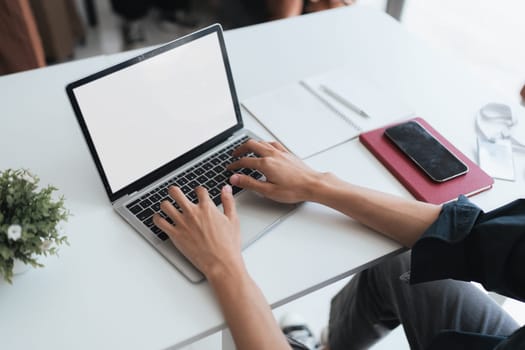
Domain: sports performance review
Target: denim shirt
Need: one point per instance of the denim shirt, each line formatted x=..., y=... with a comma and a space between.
x=466, y=244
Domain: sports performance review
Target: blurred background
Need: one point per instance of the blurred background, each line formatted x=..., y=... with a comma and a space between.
x=487, y=34
x=41, y=32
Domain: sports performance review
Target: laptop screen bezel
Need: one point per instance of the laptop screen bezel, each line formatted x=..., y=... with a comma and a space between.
x=179, y=161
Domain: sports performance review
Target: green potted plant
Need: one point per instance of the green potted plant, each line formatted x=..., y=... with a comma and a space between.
x=29, y=218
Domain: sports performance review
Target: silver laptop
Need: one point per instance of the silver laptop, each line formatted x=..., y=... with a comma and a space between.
x=169, y=117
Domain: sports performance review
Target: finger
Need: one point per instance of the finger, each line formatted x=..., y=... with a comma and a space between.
x=164, y=225
x=180, y=198
x=228, y=203
x=260, y=148
x=279, y=146
x=202, y=195
x=250, y=183
x=171, y=211
x=246, y=162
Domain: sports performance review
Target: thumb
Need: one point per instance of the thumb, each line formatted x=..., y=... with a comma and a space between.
x=249, y=183
x=228, y=204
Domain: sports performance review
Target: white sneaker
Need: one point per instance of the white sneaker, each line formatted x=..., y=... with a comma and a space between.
x=295, y=327
x=323, y=341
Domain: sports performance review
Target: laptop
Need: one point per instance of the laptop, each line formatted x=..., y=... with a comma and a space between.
x=169, y=117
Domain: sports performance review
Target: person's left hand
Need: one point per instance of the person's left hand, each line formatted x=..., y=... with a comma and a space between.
x=208, y=238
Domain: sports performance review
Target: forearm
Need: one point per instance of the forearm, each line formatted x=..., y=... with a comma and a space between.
x=289, y=180
x=403, y=220
x=246, y=311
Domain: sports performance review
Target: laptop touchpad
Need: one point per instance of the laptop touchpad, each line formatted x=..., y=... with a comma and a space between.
x=258, y=215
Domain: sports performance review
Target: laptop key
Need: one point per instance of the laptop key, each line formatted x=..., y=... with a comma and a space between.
x=193, y=184
x=256, y=175
x=145, y=203
x=236, y=189
x=149, y=222
x=163, y=236
x=155, y=198
x=214, y=192
x=190, y=176
x=217, y=200
x=202, y=179
x=210, y=184
x=132, y=204
x=136, y=209
x=156, y=207
x=155, y=230
x=181, y=181
x=146, y=213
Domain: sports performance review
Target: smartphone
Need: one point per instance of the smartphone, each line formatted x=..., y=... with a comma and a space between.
x=426, y=151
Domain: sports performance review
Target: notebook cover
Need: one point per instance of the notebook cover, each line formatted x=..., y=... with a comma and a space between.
x=414, y=179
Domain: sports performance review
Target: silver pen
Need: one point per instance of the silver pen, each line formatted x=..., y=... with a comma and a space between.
x=343, y=101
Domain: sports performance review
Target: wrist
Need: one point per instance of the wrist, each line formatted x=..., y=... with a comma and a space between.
x=226, y=272
x=317, y=185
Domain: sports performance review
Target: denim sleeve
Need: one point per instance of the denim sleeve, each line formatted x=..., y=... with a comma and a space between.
x=466, y=244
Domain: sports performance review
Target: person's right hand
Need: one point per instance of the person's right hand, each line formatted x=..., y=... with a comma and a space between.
x=288, y=179
x=320, y=5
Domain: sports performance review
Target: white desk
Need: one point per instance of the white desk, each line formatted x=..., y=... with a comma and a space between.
x=110, y=289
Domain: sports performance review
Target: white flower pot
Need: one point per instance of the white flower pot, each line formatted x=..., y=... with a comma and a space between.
x=19, y=267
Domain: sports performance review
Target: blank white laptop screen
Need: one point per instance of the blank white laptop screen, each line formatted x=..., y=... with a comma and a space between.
x=146, y=115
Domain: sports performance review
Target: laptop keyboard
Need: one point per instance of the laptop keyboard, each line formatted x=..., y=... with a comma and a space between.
x=210, y=173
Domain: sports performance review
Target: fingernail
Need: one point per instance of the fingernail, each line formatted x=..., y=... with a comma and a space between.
x=227, y=189
x=234, y=179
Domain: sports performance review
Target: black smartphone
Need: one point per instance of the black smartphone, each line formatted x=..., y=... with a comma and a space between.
x=426, y=151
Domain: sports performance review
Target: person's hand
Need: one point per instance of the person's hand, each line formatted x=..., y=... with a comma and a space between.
x=319, y=5
x=288, y=179
x=208, y=238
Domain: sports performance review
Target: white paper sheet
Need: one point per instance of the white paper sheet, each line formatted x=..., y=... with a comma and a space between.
x=307, y=120
x=382, y=106
x=299, y=120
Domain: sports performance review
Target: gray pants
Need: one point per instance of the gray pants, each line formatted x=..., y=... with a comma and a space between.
x=376, y=301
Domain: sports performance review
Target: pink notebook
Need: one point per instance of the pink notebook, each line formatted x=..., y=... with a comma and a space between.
x=414, y=179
